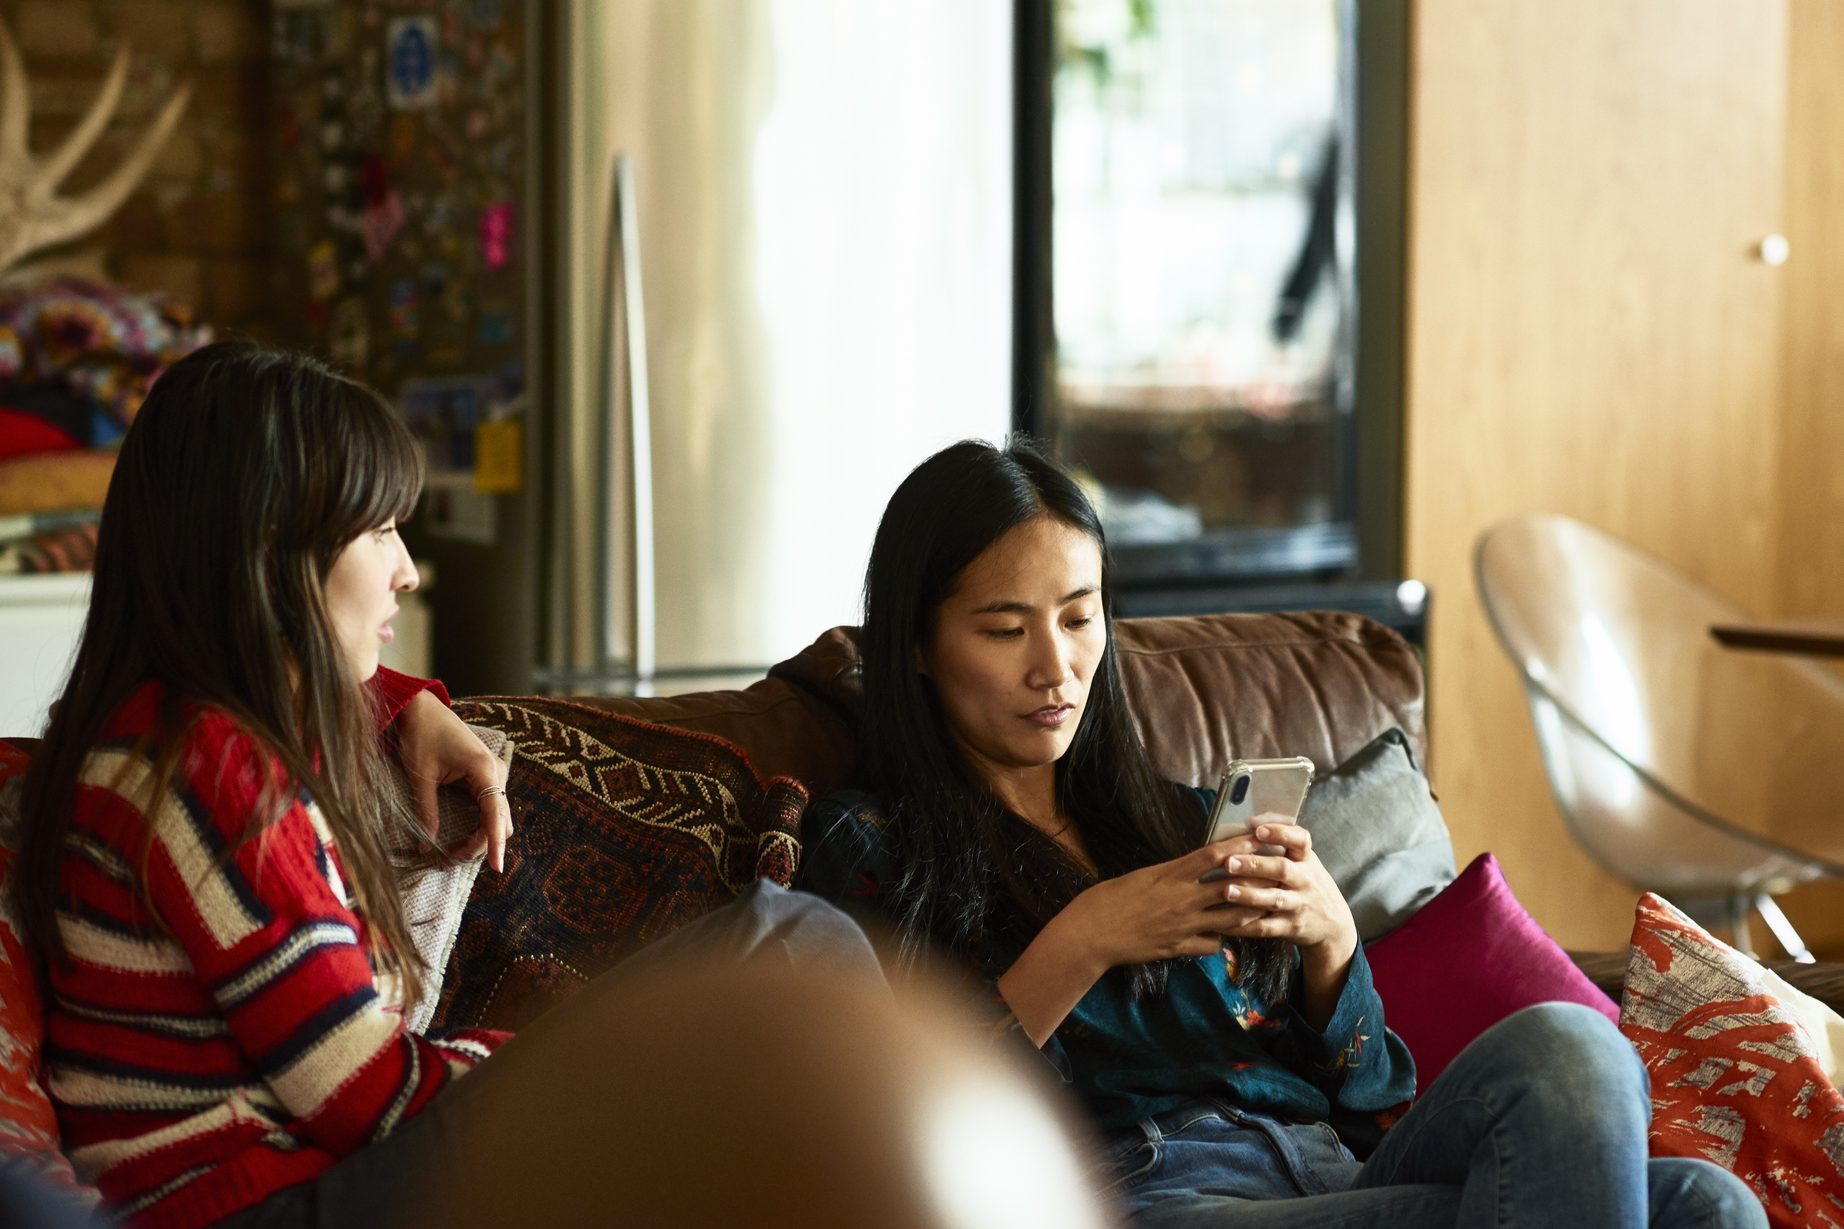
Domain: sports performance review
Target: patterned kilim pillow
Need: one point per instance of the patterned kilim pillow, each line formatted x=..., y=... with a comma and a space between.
x=1734, y=1077
x=623, y=831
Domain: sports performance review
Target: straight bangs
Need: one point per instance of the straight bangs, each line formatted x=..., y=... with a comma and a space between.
x=380, y=476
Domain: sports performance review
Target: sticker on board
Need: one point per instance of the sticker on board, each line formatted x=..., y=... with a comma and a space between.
x=349, y=336
x=380, y=224
x=496, y=234
x=322, y=271
x=410, y=62
x=499, y=456
x=406, y=314
x=495, y=326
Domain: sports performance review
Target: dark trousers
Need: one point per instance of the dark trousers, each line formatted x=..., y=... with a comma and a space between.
x=765, y=926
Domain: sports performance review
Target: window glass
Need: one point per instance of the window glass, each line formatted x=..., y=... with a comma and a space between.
x=1199, y=295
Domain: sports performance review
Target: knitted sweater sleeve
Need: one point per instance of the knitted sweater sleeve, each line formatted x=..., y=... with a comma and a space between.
x=265, y=924
x=391, y=692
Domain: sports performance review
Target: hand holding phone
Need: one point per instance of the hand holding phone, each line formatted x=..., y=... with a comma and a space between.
x=1252, y=788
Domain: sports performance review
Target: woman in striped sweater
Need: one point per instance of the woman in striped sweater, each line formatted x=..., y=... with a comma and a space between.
x=204, y=863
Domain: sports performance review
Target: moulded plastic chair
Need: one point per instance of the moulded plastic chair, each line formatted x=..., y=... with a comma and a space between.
x=1704, y=773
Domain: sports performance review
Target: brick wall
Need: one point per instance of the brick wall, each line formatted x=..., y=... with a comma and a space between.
x=196, y=228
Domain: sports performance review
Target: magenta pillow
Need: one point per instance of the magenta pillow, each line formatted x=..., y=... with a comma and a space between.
x=1466, y=960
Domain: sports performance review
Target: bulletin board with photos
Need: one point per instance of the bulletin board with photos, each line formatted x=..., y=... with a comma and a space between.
x=402, y=156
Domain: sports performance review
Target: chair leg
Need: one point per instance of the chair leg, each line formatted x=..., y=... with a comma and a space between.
x=1784, y=933
x=1739, y=905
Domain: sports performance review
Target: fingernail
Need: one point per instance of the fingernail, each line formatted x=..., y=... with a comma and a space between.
x=1264, y=833
x=1235, y=864
x=1234, y=892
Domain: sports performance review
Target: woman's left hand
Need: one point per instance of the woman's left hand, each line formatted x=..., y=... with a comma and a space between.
x=1299, y=900
x=436, y=748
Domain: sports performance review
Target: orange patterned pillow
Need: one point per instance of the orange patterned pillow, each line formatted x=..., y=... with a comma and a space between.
x=1734, y=1074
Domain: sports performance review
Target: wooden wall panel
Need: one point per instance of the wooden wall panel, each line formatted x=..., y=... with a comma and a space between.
x=1588, y=334
x=1810, y=533
x=200, y=227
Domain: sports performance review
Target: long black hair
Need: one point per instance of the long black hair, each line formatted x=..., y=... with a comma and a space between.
x=245, y=473
x=971, y=867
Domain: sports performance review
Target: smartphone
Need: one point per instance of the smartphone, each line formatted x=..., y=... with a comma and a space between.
x=1258, y=787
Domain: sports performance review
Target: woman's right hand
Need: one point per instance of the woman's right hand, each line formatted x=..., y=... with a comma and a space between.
x=1155, y=913
x=1160, y=912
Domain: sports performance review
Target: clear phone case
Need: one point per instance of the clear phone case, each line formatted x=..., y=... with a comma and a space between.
x=1258, y=787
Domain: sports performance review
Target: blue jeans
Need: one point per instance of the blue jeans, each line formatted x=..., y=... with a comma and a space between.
x=1540, y=1121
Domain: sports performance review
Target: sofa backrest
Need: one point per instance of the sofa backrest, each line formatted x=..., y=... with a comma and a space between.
x=1203, y=690
x=1321, y=684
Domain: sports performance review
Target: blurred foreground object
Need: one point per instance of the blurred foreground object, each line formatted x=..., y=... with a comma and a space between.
x=760, y=1096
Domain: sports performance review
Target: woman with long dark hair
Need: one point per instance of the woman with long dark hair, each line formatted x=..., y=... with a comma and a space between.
x=1211, y=1007
x=205, y=866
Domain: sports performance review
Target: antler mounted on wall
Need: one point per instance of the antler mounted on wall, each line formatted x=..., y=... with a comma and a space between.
x=32, y=214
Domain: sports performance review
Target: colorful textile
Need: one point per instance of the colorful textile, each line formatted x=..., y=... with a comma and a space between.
x=1130, y=1060
x=1466, y=960
x=28, y=1123
x=1735, y=1077
x=216, y=1032
x=52, y=550
x=623, y=831
x=102, y=342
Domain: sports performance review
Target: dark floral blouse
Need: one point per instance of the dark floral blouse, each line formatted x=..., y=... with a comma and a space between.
x=1204, y=1038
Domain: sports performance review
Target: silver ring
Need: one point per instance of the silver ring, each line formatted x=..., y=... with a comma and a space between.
x=489, y=791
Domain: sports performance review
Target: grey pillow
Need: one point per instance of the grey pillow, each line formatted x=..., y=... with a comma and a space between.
x=1378, y=830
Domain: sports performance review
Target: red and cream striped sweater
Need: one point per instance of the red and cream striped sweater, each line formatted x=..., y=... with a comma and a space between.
x=240, y=1044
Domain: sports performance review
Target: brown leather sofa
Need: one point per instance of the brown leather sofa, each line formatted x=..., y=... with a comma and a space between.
x=1203, y=689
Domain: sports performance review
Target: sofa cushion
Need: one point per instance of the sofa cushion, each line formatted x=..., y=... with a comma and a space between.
x=1734, y=1075
x=1380, y=834
x=28, y=1123
x=623, y=830
x=1466, y=960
